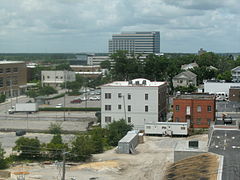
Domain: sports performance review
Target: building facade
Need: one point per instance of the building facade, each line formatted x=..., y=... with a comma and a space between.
x=13, y=78
x=97, y=59
x=236, y=74
x=87, y=71
x=196, y=109
x=185, y=78
x=56, y=78
x=138, y=101
x=136, y=42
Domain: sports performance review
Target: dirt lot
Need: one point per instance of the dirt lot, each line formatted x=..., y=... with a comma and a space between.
x=150, y=162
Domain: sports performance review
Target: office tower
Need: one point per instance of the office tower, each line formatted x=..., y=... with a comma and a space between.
x=136, y=42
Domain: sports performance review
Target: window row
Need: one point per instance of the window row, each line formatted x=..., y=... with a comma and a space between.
x=8, y=81
x=129, y=96
x=129, y=108
x=56, y=77
x=8, y=70
x=199, y=108
x=108, y=119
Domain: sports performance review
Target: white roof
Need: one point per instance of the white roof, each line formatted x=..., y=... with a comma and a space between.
x=136, y=82
x=11, y=62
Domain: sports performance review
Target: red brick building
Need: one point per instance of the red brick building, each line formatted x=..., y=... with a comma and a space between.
x=198, y=109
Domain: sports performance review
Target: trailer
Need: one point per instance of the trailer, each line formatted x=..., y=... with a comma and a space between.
x=128, y=143
x=24, y=107
x=167, y=128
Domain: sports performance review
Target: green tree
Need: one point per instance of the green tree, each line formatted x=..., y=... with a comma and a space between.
x=29, y=148
x=81, y=148
x=117, y=130
x=63, y=66
x=32, y=93
x=55, y=128
x=47, y=90
x=2, y=98
x=3, y=162
x=188, y=89
x=227, y=76
x=106, y=65
x=97, y=136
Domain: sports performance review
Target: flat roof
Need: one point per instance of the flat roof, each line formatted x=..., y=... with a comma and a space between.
x=128, y=137
x=195, y=96
x=140, y=82
x=184, y=146
x=11, y=62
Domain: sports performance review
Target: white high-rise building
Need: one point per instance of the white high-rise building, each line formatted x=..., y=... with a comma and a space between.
x=138, y=101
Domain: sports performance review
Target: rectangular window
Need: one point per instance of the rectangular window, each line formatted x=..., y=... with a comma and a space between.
x=164, y=127
x=1, y=82
x=8, y=70
x=129, y=119
x=146, y=108
x=209, y=121
x=176, y=119
x=188, y=110
x=199, y=108
x=107, y=95
x=14, y=80
x=8, y=81
x=129, y=108
x=129, y=96
x=177, y=107
x=15, y=69
x=199, y=121
x=1, y=70
x=209, y=108
x=148, y=127
x=183, y=128
x=119, y=106
x=108, y=108
x=146, y=96
x=108, y=119
x=119, y=95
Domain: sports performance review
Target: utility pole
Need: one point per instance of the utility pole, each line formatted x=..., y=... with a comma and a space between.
x=63, y=165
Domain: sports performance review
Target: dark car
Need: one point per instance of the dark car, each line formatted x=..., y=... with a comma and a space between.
x=76, y=101
x=20, y=132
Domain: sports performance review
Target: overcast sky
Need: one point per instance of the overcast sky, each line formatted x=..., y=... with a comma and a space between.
x=87, y=25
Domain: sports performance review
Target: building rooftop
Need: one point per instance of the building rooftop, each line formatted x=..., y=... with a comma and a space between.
x=196, y=96
x=136, y=82
x=11, y=62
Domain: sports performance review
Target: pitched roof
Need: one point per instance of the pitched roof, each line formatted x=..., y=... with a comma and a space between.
x=185, y=74
x=189, y=66
x=236, y=68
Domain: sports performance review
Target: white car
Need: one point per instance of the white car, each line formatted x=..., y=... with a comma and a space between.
x=83, y=98
x=94, y=98
x=59, y=106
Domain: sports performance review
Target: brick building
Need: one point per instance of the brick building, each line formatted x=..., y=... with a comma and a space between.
x=234, y=93
x=198, y=109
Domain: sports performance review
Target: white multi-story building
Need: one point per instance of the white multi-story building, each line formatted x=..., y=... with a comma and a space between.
x=138, y=101
x=56, y=78
x=236, y=74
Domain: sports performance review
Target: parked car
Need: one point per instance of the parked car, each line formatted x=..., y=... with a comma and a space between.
x=83, y=98
x=59, y=106
x=94, y=98
x=76, y=101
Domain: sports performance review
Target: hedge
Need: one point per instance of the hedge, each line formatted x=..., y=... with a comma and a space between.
x=57, y=96
x=70, y=109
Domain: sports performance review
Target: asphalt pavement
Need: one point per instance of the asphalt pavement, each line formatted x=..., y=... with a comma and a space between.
x=227, y=143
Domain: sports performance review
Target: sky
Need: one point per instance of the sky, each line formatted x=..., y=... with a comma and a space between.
x=73, y=26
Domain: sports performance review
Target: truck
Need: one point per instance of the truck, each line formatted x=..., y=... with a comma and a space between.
x=24, y=107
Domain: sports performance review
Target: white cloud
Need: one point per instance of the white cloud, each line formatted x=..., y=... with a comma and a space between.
x=86, y=25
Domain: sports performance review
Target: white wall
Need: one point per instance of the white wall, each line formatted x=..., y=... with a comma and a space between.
x=216, y=87
x=137, y=102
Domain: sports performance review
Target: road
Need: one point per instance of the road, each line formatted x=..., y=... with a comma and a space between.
x=227, y=143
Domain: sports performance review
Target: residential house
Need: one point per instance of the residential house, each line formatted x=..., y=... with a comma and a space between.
x=185, y=78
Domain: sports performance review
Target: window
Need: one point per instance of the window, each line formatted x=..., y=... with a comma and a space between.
x=129, y=96
x=164, y=127
x=148, y=127
x=199, y=121
x=146, y=108
x=146, y=96
x=209, y=108
x=61, y=77
x=56, y=77
x=176, y=119
x=15, y=69
x=14, y=80
x=199, y=108
x=1, y=70
x=8, y=70
x=107, y=107
x=177, y=107
x=8, y=81
x=209, y=121
x=183, y=128
x=48, y=77
x=129, y=108
x=108, y=119
x=119, y=95
x=119, y=106
x=129, y=119
x=43, y=77
x=107, y=95
x=1, y=82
